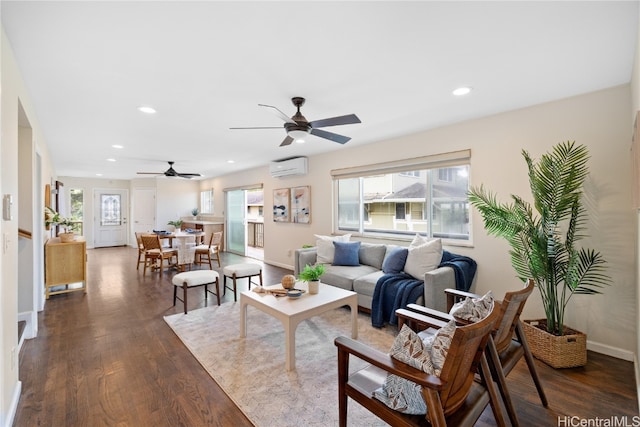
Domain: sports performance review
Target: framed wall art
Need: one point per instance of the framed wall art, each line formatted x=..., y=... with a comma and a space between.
x=301, y=204
x=281, y=204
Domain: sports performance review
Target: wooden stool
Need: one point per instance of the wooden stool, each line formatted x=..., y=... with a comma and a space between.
x=238, y=271
x=191, y=279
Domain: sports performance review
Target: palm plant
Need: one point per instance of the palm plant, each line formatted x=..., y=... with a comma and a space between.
x=544, y=243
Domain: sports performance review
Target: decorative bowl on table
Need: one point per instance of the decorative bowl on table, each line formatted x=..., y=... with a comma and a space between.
x=294, y=293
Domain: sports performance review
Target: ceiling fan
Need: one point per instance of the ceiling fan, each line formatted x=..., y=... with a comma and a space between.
x=298, y=127
x=171, y=172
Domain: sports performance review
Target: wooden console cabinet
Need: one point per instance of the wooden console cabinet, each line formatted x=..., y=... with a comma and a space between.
x=65, y=266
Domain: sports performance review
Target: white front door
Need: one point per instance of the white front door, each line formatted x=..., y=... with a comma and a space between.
x=110, y=219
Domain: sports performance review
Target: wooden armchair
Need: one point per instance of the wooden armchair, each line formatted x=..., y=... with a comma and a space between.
x=454, y=398
x=508, y=343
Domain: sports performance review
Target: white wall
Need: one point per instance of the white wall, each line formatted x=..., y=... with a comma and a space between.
x=598, y=120
x=13, y=94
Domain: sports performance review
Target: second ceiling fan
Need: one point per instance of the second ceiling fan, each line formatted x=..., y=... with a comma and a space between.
x=298, y=127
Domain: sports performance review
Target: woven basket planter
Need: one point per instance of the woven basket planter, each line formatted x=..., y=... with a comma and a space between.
x=567, y=351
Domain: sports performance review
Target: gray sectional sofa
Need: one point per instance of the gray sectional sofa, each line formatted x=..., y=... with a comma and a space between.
x=362, y=278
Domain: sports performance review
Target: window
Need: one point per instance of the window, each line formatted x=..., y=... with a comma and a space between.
x=77, y=209
x=404, y=200
x=206, y=201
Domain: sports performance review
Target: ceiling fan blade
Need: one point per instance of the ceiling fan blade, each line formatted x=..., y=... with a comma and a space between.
x=260, y=127
x=150, y=173
x=341, y=139
x=335, y=121
x=188, y=175
x=287, y=141
x=280, y=114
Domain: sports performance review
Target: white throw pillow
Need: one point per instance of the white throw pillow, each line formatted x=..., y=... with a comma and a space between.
x=326, y=250
x=423, y=258
x=473, y=309
x=419, y=240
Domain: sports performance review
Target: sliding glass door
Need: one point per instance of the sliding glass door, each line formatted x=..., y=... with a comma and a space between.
x=236, y=221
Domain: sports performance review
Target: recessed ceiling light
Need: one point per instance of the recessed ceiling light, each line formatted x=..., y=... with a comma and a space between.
x=462, y=91
x=147, y=110
x=117, y=146
x=300, y=141
x=111, y=160
x=231, y=161
x=98, y=174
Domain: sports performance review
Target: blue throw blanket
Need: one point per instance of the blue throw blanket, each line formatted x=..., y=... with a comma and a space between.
x=464, y=269
x=394, y=291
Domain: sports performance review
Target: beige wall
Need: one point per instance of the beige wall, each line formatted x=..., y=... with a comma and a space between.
x=598, y=120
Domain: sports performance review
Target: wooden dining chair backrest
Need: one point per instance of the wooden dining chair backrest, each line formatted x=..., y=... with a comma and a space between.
x=150, y=241
x=216, y=239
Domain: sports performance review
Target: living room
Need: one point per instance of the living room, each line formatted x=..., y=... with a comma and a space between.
x=603, y=120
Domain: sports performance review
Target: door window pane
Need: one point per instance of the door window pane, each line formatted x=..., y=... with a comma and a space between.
x=110, y=211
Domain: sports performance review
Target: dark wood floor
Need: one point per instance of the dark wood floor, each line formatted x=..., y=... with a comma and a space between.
x=107, y=358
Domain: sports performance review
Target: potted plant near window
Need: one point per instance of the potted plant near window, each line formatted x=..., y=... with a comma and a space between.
x=177, y=224
x=194, y=212
x=311, y=275
x=544, y=246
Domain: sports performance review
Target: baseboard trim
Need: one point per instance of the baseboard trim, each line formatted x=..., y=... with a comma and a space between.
x=278, y=264
x=15, y=398
x=637, y=369
x=31, y=329
x=608, y=350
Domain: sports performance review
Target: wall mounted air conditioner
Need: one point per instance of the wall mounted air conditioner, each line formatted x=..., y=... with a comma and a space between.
x=288, y=167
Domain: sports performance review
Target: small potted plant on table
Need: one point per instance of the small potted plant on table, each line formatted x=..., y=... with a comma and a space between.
x=194, y=212
x=311, y=275
x=177, y=224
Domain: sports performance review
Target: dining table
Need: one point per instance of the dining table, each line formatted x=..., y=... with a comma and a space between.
x=185, y=243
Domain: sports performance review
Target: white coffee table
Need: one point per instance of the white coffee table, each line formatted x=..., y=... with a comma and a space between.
x=292, y=311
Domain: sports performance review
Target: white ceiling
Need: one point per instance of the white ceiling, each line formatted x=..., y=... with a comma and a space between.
x=205, y=66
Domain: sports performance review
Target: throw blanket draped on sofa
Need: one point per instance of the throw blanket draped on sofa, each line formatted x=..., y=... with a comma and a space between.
x=394, y=291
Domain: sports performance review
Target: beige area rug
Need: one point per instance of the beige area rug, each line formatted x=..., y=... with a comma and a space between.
x=252, y=372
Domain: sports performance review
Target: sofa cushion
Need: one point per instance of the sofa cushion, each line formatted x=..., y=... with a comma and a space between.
x=343, y=276
x=372, y=254
x=423, y=258
x=325, y=247
x=366, y=285
x=346, y=253
x=394, y=261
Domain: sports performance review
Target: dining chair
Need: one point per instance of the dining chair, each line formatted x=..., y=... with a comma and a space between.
x=140, y=250
x=204, y=253
x=155, y=254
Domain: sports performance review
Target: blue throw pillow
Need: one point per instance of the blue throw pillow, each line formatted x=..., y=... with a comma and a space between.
x=394, y=262
x=346, y=253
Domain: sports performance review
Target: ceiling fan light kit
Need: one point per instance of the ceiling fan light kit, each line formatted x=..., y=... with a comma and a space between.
x=298, y=127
